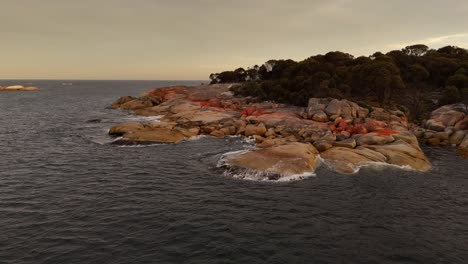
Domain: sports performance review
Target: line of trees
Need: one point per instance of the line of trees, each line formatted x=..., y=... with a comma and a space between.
x=416, y=78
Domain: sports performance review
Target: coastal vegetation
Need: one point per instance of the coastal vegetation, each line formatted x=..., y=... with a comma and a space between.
x=416, y=79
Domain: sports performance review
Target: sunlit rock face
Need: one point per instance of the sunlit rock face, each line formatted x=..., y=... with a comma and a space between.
x=19, y=88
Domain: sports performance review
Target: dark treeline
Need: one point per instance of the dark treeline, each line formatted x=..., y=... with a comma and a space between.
x=416, y=78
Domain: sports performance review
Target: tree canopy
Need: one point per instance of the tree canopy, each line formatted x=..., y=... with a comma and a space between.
x=416, y=77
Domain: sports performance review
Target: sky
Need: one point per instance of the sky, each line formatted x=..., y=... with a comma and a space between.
x=189, y=39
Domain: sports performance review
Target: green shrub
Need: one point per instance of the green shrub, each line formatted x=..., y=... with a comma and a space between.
x=450, y=95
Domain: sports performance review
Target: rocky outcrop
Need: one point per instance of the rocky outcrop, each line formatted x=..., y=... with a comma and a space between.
x=348, y=161
x=457, y=137
x=448, y=125
x=347, y=143
x=251, y=130
x=401, y=153
x=449, y=115
x=275, y=162
x=127, y=127
x=289, y=139
x=18, y=88
x=333, y=109
x=453, y=117
x=374, y=138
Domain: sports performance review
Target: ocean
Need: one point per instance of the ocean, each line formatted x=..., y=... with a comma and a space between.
x=69, y=196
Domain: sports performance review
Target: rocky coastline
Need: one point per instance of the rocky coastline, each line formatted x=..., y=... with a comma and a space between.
x=18, y=88
x=447, y=126
x=290, y=140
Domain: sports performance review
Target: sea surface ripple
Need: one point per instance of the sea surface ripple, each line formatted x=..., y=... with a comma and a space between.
x=66, y=196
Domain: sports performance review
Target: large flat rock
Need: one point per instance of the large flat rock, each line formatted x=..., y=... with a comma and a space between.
x=277, y=161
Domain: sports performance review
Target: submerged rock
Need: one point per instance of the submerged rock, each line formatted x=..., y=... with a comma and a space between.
x=155, y=135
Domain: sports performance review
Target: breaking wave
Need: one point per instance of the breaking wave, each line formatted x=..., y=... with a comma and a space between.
x=142, y=118
x=374, y=165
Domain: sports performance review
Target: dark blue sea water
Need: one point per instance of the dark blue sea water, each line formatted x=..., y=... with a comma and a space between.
x=66, y=196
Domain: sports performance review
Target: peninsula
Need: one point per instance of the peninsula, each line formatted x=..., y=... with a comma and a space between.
x=298, y=127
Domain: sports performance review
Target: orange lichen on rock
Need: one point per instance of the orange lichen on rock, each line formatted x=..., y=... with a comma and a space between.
x=344, y=125
x=252, y=111
x=167, y=93
x=215, y=103
x=386, y=132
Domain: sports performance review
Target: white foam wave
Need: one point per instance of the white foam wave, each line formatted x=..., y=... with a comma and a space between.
x=250, y=140
x=297, y=177
x=135, y=145
x=264, y=176
x=222, y=162
x=117, y=139
x=142, y=118
x=374, y=165
x=140, y=145
x=196, y=137
x=382, y=165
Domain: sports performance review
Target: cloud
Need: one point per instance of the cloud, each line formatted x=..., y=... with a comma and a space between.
x=447, y=39
x=459, y=39
x=134, y=39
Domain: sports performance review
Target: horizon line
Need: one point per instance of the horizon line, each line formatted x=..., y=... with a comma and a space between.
x=32, y=79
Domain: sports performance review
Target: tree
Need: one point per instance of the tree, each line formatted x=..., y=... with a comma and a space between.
x=458, y=80
x=417, y=73
x=214, y=78
x=451, y=95
x=377, y=78
x=338, y=58
x=452, y=50
x=399, y=77
x=416, y=50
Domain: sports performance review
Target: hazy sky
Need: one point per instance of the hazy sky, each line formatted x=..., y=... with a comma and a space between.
x=189, y=39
